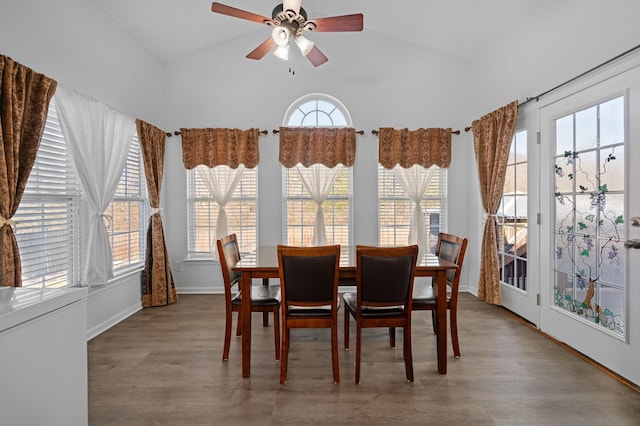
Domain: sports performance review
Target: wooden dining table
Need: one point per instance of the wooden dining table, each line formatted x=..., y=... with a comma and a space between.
x=263, y=263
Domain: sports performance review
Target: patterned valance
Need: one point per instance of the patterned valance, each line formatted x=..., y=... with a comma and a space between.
x=215, y=147
x=425, y=147
x=312, y=145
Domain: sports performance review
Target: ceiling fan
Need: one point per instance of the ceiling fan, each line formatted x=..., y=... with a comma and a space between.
x=290, y=22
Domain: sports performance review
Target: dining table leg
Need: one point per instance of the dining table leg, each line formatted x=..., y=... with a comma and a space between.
x=245, y=313
x=441, y=313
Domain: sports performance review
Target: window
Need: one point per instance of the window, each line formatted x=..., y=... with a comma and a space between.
x=395, y=208
x=299, y=210
x=512, y=219
x=202, y=213
x=48, y=231
x=129, y=213
x=48, y=217
x=590, y=204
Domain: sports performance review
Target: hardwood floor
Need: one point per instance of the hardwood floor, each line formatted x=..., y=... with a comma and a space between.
x=163, y=366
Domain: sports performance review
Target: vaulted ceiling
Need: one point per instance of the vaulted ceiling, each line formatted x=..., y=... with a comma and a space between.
x=459, y=28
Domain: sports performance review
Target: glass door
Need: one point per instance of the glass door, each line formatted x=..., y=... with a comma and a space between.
x=516, y=232
x=589, y=180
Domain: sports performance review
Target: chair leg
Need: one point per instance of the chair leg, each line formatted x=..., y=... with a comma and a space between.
x=334, y=350
x=392, y=337
x=408, y=356
x=239, y=325
x=453, y=323
x=434, y=321
x=227, y=335
x=265, y=319
x=284, y=356
x=358, y=350
x=276, y=332
x=346, y=328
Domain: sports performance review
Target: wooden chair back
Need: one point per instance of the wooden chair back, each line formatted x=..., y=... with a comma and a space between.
x=452, y=248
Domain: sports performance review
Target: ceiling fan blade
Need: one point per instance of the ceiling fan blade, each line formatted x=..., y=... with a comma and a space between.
x=316, y=57
x=264, y=48
x=238, y=13
x=353, y=22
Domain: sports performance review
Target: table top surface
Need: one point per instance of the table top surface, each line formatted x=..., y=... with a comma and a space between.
x=266, y=258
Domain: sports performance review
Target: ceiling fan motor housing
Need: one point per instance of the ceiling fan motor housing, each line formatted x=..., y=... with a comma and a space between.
x=279, y=16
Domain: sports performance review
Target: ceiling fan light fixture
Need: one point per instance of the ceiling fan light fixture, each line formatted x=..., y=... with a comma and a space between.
x=304, y=44
x=282, y=52
x=280, y=36
x=292, y=5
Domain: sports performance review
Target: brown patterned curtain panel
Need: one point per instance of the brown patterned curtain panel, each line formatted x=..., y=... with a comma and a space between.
x=24, y=101
x=492, y=136
x=215, y=147
x=426, y=147
x=158, y=288
x=313, y=145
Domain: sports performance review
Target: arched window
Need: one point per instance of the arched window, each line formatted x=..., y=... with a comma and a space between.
x=317, y=110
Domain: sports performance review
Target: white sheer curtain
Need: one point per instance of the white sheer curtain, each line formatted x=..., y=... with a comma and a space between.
x=318, y=180
x=98, y=138
x=221, y=182
x=415, y=181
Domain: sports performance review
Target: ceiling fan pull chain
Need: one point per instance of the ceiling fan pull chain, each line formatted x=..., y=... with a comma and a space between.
x=292, y=59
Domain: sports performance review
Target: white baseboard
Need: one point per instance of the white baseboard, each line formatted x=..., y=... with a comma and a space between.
x=105, y=325
x=199, y=290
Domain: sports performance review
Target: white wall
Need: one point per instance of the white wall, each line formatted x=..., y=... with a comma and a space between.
x=80, y=46
x=381, y=81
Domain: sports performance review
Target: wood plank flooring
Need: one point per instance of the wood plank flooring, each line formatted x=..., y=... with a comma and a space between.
x=163, y=366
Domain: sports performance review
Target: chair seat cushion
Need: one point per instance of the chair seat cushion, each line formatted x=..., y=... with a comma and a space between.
x=351, y=302
x=311, y=311
x=423, y=294
x=261, y=296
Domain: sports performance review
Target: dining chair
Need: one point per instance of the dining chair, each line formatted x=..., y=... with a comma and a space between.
x=452, y=248
x=264, y=298
x=309, y=290
x=384, y=284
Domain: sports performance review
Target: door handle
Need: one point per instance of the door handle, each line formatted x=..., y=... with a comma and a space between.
x=632, y=244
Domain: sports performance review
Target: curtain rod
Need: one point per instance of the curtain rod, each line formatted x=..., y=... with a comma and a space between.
x=571, y=80
x=177, y=133
x=377, y=132
x=360, y=132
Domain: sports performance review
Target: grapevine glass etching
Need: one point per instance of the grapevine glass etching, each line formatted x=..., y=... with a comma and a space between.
x=589, y=220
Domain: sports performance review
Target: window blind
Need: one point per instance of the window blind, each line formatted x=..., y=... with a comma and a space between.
x=298, y=224
x=129, y=212
x=48, y=217
x=395, y=208
x=202, y=214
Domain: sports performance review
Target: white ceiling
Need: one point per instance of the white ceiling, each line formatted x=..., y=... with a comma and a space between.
x=460, y=28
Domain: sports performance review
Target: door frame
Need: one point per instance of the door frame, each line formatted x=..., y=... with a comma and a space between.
x=525, y=303
x=599, y=346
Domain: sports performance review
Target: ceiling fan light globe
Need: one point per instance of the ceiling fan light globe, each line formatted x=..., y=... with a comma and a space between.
x=304, y=44
x=282, y=52
x=280, y=36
